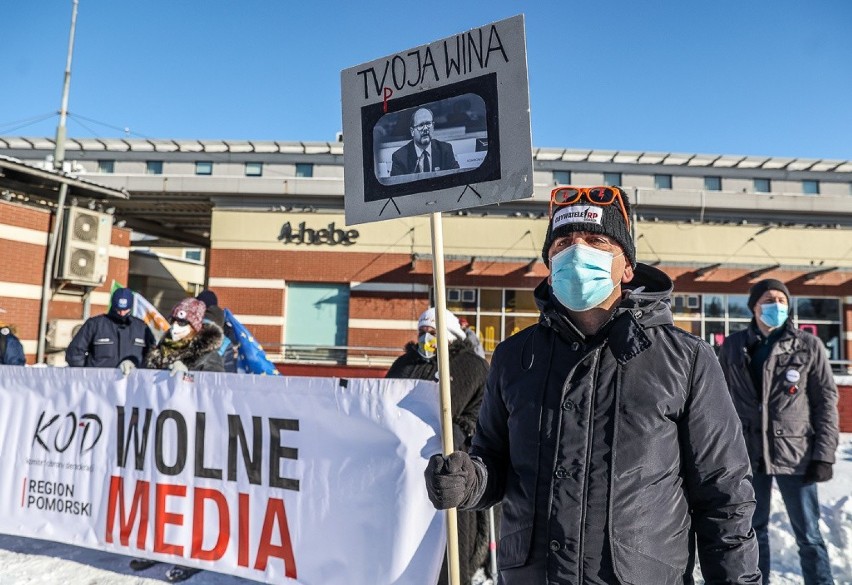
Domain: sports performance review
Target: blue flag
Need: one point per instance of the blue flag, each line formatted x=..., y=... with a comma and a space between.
x=251, y=359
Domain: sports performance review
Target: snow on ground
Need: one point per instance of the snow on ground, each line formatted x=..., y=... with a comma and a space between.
x=27, y=561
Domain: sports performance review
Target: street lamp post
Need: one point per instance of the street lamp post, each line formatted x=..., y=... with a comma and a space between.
x=58, y=160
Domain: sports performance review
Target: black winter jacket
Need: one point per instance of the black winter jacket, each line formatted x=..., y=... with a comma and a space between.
x=199, y=355
x=468, y=372
x=676, y=448
x=793, y=419
x=107, y=340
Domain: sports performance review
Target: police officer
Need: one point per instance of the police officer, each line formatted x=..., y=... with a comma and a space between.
x=116, y=339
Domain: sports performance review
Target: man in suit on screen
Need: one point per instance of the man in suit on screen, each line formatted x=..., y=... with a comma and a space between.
x=424, y=153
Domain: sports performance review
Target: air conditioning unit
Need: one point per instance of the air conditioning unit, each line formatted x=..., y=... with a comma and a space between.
x=60, y=332
x=84, y=254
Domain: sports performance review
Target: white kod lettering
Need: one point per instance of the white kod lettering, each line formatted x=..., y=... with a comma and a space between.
x=577, y=214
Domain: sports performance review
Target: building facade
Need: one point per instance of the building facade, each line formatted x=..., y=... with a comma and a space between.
x=313, y=290
x=92, y=253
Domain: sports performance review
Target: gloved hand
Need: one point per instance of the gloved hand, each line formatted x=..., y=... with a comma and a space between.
x=176, y=367
x=450, y=480
x=818, y=471
x=126, y=366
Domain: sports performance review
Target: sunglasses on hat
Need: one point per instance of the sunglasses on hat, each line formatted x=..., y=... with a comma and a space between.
x=569, y=195
x=180, y=322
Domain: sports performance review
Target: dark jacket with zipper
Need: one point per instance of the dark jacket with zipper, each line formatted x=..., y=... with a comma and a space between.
x=104, y=341
x=791, y=418
x=605, y=450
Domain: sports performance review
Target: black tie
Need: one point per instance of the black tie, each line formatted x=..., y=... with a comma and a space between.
x=425, y=165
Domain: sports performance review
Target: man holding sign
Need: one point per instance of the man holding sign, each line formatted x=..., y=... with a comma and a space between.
x=606, y=431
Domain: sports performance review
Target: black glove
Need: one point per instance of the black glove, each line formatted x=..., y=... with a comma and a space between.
x=818, y=471
x=450, y=480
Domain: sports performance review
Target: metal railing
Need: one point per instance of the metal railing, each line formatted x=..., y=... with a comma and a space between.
x=350, y=355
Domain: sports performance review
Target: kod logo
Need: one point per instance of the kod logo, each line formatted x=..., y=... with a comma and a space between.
x=331, y=235
x=57, y=433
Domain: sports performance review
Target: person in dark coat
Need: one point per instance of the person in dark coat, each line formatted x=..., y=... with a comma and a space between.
x=215, y=314
x=424, y=153
x=468, y=372
x=114, y=340
x=11, y=349
x=190, y=345
x=607, y=432
x=782, y=387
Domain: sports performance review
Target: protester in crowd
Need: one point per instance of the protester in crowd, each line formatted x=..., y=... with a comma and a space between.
x=606, y=431
x=468, y=372
x=423, y=153
x=116, y=339
x=215, y=314
x=190, y=345
x=786, y=398
x=472, y=337
x=11, y=349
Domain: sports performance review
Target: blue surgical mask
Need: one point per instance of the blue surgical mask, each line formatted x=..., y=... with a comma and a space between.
x=773, y=315
x=581, y=276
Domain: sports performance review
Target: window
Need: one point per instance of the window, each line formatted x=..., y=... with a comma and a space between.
x=561, y=178
x=821, y=317
x=203, y=168
x=254, y=169
x=192, y=254
x=304, y=169
x=810, y=187
x=662, y=181
x=494, y=314
x=317, y=321
x=612, y=179
x=193, y=288
x=712, y=183
x=106, y=166
x=154, y=167
x=715, y=316
x=762, y=186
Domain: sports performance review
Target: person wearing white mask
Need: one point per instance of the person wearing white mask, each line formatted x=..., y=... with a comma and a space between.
x=606, y=432
x=190, y=345
x=782, y=387
x=467, y=382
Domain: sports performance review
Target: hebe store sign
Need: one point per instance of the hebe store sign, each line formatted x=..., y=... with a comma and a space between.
x=330, y=235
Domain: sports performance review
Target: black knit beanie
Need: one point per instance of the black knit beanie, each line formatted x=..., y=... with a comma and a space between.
x=208, y=297
x=761, y=287
x=584, y=216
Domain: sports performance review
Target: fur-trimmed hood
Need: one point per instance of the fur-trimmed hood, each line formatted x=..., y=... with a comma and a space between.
x=197, y=355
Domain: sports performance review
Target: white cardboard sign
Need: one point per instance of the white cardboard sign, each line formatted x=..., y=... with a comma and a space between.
x=464, y=101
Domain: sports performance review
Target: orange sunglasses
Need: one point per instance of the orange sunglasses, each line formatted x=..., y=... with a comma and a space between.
x=598, y=195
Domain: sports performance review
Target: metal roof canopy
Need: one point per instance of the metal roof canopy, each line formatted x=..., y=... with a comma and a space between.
x=16, y=175
x=43, y=183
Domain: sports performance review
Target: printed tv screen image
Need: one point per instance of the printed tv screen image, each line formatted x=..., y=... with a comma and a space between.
x=436, y=139
x=447, y=136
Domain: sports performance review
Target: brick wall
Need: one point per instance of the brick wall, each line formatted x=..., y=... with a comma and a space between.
x=23, y=264
x=845, y=408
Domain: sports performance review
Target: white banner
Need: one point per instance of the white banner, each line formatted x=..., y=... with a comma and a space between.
x=288, y=480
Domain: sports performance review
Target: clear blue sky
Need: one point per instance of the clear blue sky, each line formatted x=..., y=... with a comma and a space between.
x=757, y=77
